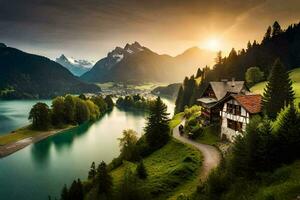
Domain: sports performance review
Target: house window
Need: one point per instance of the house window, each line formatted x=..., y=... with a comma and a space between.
x=233, y=109
x=234, y=125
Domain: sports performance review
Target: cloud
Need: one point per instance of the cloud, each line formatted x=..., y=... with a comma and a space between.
x=167, y=26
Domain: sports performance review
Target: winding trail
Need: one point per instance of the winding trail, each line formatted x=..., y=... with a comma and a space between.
x=210, y=153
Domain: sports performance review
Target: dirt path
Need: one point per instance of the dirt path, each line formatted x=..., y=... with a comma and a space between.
x=210, y=153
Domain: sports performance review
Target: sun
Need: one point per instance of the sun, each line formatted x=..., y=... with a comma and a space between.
x=213, y=44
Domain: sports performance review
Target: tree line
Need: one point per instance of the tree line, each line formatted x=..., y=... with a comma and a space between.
x=68, y=109
x=253, y=64
x=134, y=102
x=134, y=149
x=270, y=140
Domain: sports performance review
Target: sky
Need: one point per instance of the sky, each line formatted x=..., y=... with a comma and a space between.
x=89, y=29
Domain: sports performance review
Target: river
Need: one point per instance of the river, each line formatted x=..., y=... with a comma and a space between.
x=43, y=168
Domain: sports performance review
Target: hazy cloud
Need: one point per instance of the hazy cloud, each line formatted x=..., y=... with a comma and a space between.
x=92, y=27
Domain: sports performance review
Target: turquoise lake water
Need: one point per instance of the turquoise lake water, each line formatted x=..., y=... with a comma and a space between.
x=42, y=169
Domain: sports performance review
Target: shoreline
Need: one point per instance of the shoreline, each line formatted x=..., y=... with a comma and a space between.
x=13, y=147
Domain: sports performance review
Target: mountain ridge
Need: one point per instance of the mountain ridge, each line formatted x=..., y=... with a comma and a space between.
x=76, y=67
x=25, y=75
x=138, y=63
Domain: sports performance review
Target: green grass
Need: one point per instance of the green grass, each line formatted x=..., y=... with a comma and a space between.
x=147, y=86
x=210, y=136
x=23, y=133
x=106, y=85
x=282, y=184
x=138, y=86
x=294, y=75
x=176, y=120
x=17, y=135
x=285, y=184
x=172, y=170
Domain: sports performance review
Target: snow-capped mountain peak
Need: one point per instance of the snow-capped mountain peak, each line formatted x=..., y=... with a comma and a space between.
x=77, y=67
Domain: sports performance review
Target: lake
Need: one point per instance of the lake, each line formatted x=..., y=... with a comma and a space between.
x=42, y=169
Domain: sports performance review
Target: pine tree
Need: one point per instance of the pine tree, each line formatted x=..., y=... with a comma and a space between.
x=218, y=59
x=104, y=179
x=287, y=127
x=64, y=193
x=267, y=34
x=141, y=170
x=179, y=99
x=92, y=172
x=76, y=191
x=199, y=73
x=157, y=129
x=278, y=92
x=276, y=29
x=129, y=188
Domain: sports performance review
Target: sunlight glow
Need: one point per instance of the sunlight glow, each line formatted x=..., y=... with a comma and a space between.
x=213, y=44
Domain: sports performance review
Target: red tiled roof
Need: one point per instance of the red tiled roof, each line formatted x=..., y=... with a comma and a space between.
x=252, y=103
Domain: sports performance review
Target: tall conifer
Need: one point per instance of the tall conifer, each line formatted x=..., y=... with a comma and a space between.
x=157, y=129
x=278, y=92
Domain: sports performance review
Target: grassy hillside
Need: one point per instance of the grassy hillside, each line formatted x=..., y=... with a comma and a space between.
x=282, y=184
x=172, y=170
x=295, y=76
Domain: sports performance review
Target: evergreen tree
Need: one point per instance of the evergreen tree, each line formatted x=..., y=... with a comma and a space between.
x=129, y=189
x=92, y=172
x=76, y=191
x=179, y=99
x=276, y=29
x=249, y=45
x=268, y=34
x=141, y=170
x=157, y=129
x=104, y=180
x=287, y=128
x=218, y=59
x=64, y=193
x=278, y=92
x=199, y=73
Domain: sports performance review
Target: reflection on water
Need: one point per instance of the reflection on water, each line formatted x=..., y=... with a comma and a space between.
x=44, y=167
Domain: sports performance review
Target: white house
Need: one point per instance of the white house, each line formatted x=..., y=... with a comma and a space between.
x=236, y=113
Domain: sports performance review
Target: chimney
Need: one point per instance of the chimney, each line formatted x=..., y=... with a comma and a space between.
x=232, y=82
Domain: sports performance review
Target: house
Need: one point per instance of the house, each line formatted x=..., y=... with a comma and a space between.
x=236, y=113
x=213, y=93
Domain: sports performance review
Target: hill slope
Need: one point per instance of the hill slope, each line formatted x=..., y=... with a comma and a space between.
x=173, y=170
x=137, y=63
x=283, y=44
x=168, y=91
x=294, y=75
x=24, y=75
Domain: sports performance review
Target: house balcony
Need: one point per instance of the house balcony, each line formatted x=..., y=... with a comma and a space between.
x=234, y=117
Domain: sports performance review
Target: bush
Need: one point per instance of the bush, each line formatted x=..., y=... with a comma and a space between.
x=141, y=170
x=115, y=163
x=188, y=112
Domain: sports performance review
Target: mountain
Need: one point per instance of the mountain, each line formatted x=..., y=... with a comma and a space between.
x=24, y=75
x=77, y=67
x=137, y=63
